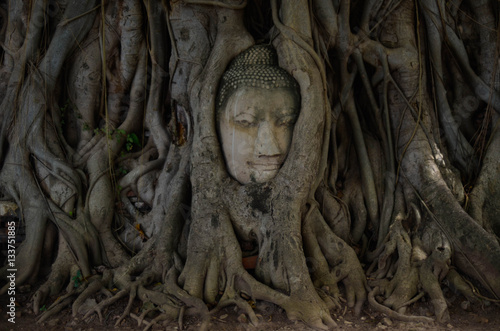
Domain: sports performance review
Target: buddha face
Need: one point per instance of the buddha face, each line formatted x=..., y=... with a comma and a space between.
x=256, y=127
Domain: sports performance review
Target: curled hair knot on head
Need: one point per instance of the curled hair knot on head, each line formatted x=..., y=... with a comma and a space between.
x=255, y=67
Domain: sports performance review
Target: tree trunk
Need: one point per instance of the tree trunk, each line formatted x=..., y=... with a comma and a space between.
x=110, y=142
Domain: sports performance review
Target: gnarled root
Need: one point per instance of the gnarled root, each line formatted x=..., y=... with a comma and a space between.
x=422, y=261
x=391, y=313
x=334, y=261
x=403, y=285
x=59, y=275
x=434, y=268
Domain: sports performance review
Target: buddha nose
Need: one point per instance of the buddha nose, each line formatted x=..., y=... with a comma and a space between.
x=266, y=143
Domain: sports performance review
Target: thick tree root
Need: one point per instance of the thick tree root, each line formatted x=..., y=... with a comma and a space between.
x=334, y=262
x=58, y=162
x=61, y=304
x=403, y=282
x=391, y=313
x=98, y=309
x=61, y=271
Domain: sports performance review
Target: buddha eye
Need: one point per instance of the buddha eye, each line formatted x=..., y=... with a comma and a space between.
x=245, y=123
x=287, y=121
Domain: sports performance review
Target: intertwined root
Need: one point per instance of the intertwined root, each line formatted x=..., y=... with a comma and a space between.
x=333, y=261
x=412, y=261
x=422, y=264
x=408, y=269
x=223, y=281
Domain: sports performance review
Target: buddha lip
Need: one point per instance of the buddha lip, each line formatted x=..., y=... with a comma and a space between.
x=265, y=166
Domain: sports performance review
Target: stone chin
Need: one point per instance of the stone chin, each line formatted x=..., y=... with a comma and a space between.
x=262, y=176
x=254, y=175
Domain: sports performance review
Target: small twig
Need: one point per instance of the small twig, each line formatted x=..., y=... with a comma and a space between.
x=479, y=295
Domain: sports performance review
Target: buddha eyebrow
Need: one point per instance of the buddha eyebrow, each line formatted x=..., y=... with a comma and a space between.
x=249, y=110
x=244, y=113
x=288, y=111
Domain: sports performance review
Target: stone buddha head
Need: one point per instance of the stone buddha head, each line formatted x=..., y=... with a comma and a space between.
x=258, y=104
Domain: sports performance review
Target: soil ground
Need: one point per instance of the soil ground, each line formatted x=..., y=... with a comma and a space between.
x=474, y=317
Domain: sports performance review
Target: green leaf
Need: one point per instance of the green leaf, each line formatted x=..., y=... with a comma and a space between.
x=134, y=139
x=77, y=280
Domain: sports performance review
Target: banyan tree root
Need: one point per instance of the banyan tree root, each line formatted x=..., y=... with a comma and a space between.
x=95, y=105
